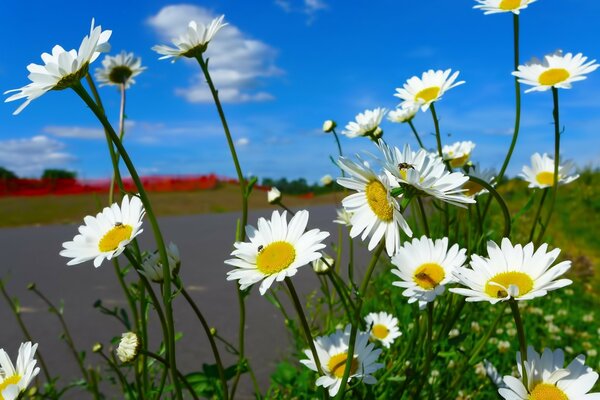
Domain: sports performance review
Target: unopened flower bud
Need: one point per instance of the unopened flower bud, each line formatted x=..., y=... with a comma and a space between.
x=273, y=195
x=129, y=347
x=329, y=126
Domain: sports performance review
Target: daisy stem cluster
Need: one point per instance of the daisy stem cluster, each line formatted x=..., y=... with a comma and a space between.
x=514, y=307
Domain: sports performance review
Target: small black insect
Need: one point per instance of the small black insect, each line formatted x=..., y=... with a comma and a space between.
x=118, y=223
x=405, y=166
x=260, y=248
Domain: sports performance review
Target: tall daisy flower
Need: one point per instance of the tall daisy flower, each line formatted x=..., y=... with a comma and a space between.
x=432, y=85
x=366, y=124
x=192, y=43
x=343, y=217
x=14, y=381
x=557, y=70
x=383, y=328
x=374, y=211
x=402, y=115
x=119, y=70
x=333, y=353
x=549, y=379
x=423, y=174
x=502, y=6
x=276, y=250
x=510, y=271
x=541, y=173
x=458, y=154
x=106, y=235
x=425, y=267
x=62, y=69
x=474, y=189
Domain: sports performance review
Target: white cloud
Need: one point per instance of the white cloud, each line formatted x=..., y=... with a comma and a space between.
x=78, y=132
x=238, y=64
x=307, y=7
x=242, y=142
x=30, y=156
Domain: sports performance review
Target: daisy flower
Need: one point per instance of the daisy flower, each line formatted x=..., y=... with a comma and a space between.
x=14, y=381
x=401, y=115
x=192, y=43
x=152, y=264
x=129, y=347
x=421, y=92
x=366, y=124
x=502, y=6
x=549, y=379
x=343, y=217
x=457, y=154
x=61, y=69
x=512, y=272
x=119, y=70
x=333, y=353
x=424, y=173
x=383, y=327
x=276, y=250
x=541, y=172
x=375, y=212
x=474, y=189
x=106, y=235
x=425, y=267
x=557, y=70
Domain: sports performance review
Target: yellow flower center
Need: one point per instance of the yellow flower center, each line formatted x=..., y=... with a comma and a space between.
x=275, y=257
x=459, y=161
x=547, y=391
x=380, y=331
x=111, y=240
x=428, y=94
x=429, y=275
x=337, y=365
x=11, y=380
x=545, y=178
x=472, y=188
x=377, y=197
x=505, y=279
x=553, y=76
x=509, y=5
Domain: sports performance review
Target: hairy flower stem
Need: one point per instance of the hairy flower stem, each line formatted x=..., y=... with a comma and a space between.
x=556, y=166
x=414, y=130
x=209, y=335
x=536, y=220
x=357, y=319
x=521, y=334
x=15, y=310
x=240, y=234
x=166, y=364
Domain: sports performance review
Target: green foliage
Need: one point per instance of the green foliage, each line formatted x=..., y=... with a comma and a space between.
x=7, y=174
x=299, y=186
x=58, y=174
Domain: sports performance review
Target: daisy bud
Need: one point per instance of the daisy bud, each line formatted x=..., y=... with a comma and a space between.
x=97, y=347
x=329, y=126
x=326, y=180
x=129, y=347
x=152, y=267
x=320, y=266
x=273, y=195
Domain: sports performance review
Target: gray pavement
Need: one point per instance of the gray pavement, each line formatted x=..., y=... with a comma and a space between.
x=30, y=254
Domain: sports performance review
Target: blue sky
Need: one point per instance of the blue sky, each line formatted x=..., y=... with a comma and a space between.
x=283, y=68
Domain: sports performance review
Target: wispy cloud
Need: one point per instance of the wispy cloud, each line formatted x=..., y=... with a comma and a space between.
x=238, y=64
x=308, y=7
x=30, y=156
x=78, y=132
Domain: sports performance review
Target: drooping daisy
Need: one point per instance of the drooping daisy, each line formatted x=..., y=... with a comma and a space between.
x=541, y=172
x=273, y=195
x=106, y=235
x=457, y=154
x=502, y=6
x=383, y=327
x=424, y=173
x=323, y=264
x=343, y=217
x=474, y=189
x=14, y=381
x=329, y=126
x=192, y=43
x=366, y=124
x=557, y=70
x=375, y=212
x=549, y=379
x=129, y=347
x=512, y=272
x=401, y=115
x=276, y=250
x=152, y=267
x=119, y=70
x=333, y=353
x=61, y=69
x=421, y=92
x=425, y=267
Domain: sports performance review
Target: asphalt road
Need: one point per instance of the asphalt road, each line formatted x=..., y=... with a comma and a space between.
x=30, y=254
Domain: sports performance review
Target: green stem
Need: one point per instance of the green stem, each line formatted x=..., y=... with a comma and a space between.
x=127, y=292
x=414, y=130
x=167, y=295
x=423, y=217
x=181, y=377
x=438, y=136
x=521, y=334
x=15, y=310
x=536, y=220
x=357, y=318
x=121, y=134
x=122, y=379
x=556, y=165
x=351, y=261
x=499, y=199
x=429, y=343
x=210, y=337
